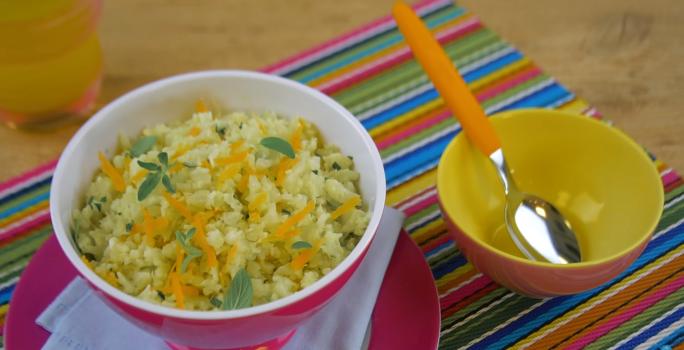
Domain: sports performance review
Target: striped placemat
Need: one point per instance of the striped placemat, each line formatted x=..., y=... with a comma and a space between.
x=372, y=73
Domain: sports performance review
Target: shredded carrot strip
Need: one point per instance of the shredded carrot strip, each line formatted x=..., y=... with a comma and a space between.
x=111, y=279
x=200, y=106
x=181, y=151
x=191, y=291
x=194, y=131
x=303, y=257
x=232, y=253
x=135, y=229
x=200, y=239
x=138, y=176
x=283, y=167
x=345, y=207
x=178, y=205
x=294, y=219
x=86, y=262
x=110, y=170
x=296, y=139
x=148, y=225
x=236, y=145
x=229, y=172
x=232, y=158
x=176, y=167
x=205, y=164
x=177, y=288
x=180, y=255
x=258, y=200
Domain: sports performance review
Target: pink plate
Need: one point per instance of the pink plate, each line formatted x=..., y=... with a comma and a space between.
x=406, y=315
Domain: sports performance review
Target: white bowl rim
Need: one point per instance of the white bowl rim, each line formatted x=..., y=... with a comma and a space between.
x=361, y=247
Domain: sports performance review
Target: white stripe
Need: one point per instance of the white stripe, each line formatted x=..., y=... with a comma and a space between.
x=26, y=183
x=438, y=254
x=520, y=95
x=370, y=32
x=407, y=177
x=415, y=88
x=6, y=229
x=432, y=216
x=400, y=153
x=489, y=307
x=502, y=325
x=645, y=327
x=559, y=102
x=611, y=293
x=403, y=51
x=9, y=282
x=674, y=201
x=666, y=172
x=661, y=335
x=415, y=200
x=460, y=285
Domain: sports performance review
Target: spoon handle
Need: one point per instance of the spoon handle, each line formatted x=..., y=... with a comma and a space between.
x=446, y=79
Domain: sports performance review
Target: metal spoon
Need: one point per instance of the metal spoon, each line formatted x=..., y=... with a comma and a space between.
x=537, y=228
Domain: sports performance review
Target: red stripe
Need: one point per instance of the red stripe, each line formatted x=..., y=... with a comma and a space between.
x=26, y=226
x=407, y=200
x=435, y=243
x=390, y=140
x=383, y=21
x=508, y=83
x=464, y=291
x=468, y=300
x=430, y=200
x=404, y=55
x=50, y=166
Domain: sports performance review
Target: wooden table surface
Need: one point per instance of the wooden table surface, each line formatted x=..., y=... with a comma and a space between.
x=626, y=57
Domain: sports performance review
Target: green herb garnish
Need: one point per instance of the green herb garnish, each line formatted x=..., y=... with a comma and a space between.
x=158, y=173
x=143, y=145
x=191, y=251
x=336, y=166
x=129, y=226
x=189, y=165
x=216, y=302
x=221, y=130
x=96, y=203
x=315, y=171
x=287, y=212
x=161, y=295
x=301, y=245
x=279, y=145
x=89, y=256
x=240, y=293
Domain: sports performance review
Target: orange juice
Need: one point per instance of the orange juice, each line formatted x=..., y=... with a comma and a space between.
x=50, y=60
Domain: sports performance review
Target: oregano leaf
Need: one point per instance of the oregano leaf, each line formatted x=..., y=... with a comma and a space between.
x=167, y=183
x=240, y=293
x=279, y=145
x=149, y=166
x=301, y=245
x=143, y=145
x=151, y=181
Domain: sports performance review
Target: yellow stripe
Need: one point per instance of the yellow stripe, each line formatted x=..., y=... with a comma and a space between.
x=24, y=213
x=456, y=273
x=406, y=117
x=584, y=307
x=411, y=187
x=420, y=234
x=575, y=106
x=499, y=74
x=3, y=310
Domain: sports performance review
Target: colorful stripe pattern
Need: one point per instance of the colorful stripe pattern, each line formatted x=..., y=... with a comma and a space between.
x=372, y=73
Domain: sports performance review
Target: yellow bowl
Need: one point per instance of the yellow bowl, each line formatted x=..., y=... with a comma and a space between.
x=601, y=180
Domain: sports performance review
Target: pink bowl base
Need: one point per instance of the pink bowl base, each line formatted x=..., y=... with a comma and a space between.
x=274, y=344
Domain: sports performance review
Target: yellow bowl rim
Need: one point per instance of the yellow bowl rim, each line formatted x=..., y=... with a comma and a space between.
x=601, y=124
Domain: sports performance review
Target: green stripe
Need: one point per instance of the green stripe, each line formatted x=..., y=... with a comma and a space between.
x=24, y=197
x=671, y=216
x=447, y=253
x=17, y=264
x=471, y=48
x=392, y=34
x=24, y=246
x=637, y=322
x=13, y=274
x=486, y=322
x=472, y=308
x=675, y=192
x=431, y=209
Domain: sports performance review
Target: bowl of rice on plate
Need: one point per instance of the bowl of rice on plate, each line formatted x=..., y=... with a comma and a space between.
x=218, y=209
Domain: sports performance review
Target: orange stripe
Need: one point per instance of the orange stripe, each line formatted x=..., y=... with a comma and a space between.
x=410, y=125
x=606, y=307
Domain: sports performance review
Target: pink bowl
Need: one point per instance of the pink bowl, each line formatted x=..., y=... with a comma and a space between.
x=169, y=99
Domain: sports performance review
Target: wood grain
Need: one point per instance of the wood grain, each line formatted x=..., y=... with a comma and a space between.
x=625, y=57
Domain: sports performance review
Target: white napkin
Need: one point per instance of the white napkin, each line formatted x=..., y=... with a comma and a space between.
x=78, y=319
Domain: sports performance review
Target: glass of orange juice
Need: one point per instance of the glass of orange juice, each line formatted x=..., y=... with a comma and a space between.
x=50, y=61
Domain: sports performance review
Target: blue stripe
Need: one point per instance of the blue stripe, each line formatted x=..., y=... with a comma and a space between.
x=25, y=204
x=6, y=294
x=436, y=249
x=493, y=66
x=447, y=266
x=401, y=108
x=653, y=330
x=541, y=98
x=406, y=163
x=25, y=190
x=560, y=305
x=391, y=40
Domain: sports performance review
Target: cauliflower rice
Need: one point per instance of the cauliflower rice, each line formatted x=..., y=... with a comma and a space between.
x=243, y=207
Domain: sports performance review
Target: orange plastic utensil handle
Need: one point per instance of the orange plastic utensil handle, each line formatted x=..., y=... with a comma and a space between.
x=446, y=79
